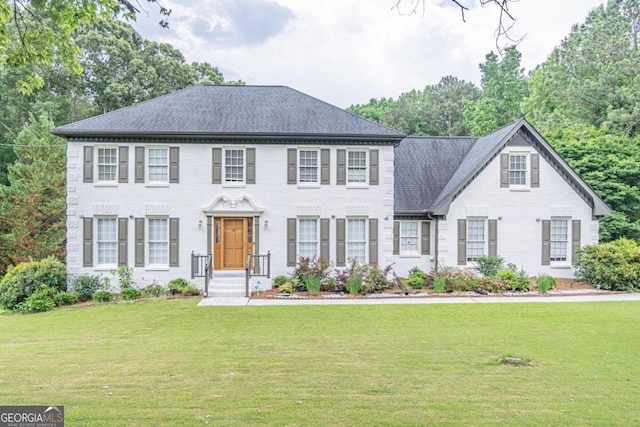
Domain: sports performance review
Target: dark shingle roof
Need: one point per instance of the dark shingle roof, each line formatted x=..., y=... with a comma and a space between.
x=478, y=155
x=430, y=172
x=208, y=110
x=423, y=167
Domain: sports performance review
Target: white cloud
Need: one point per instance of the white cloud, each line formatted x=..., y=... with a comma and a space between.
x=348, y=51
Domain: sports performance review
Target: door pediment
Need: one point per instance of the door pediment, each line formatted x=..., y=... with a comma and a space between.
x=233, y=206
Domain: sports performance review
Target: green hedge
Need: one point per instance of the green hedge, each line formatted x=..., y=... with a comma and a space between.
x=613, y=265
x=24, y=279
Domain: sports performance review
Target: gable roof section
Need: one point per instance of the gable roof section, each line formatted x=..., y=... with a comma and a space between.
x=489, y=146
x=423, y=167
x=231, y=112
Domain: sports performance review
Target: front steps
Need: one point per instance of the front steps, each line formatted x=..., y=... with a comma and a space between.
x=227, y=284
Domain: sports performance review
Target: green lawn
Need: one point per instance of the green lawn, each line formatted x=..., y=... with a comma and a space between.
x=171, y=363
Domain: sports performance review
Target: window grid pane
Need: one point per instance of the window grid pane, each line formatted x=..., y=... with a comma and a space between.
x=308, y=238
x=518, y=169
x=234, y=165
x=356, y=239
x=308, y=166
x=107, y=241
x=107, y=164
x=409, y=237
x=559, y=239
x=357, y=166
x=475, y=239
x=158, y=241
x=159, y=164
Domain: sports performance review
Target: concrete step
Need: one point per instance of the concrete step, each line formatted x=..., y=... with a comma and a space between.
x=227, y=288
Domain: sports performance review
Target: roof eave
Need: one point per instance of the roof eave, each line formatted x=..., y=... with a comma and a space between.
x=78, y=134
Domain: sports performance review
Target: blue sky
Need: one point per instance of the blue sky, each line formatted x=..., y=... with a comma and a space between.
x=348, y=51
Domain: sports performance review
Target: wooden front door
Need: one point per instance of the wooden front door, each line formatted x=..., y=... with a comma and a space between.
x=233, y=239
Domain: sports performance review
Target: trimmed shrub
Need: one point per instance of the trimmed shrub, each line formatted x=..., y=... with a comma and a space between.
x=462, y=280
x=613, y=265
x=546, y=283
x=65, y=298
x=45, y=298
x=509, y=280
x=416, y=279
x=154, y=290
x=84, y=286
x=287, y=287
x=279, y=281
x=129, y=294
x=103, y=296
x=190, y=290
x=22, y=280
x=178, y=284
x=490, y=266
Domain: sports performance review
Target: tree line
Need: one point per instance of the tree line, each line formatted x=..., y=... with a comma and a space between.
x=584, y=99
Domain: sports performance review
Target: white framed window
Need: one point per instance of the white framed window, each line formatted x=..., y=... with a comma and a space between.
x=158, y=164
x=107, y=164
x=158, y=241
x=234, y=166
x=107, y=241
x=308, y=166
x=518, y=170
x=308, y=238
x=409, y=237
x=559, y=240
x=476, y=238
x=356, y=167
x=356, y=239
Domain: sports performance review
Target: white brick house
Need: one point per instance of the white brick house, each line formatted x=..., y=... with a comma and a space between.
x=232, y=170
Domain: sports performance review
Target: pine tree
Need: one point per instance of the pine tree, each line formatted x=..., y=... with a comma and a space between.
x=33, y=206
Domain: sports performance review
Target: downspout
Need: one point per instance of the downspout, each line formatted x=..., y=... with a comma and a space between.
x=431, y=217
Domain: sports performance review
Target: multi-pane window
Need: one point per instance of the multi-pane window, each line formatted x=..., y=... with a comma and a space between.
x=356, y=239
x=517, y=169
x=308, y=238
x=107, y=164
x=158, y=164
x=158, y=240
x=234, y=165
x=559, y=239
x=107, y=241
x=475, y=239
x=409, y=237
x=357, y=167
x=308, y=168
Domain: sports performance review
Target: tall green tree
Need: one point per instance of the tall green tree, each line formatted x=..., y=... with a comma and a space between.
x=436, y=110
x=592, y=77
x=609, y=162
x=33, y=207
x=34, y=33
x=121, y=68
x=503, y=86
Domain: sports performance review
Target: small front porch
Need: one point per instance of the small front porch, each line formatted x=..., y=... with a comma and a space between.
x=255, y=276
